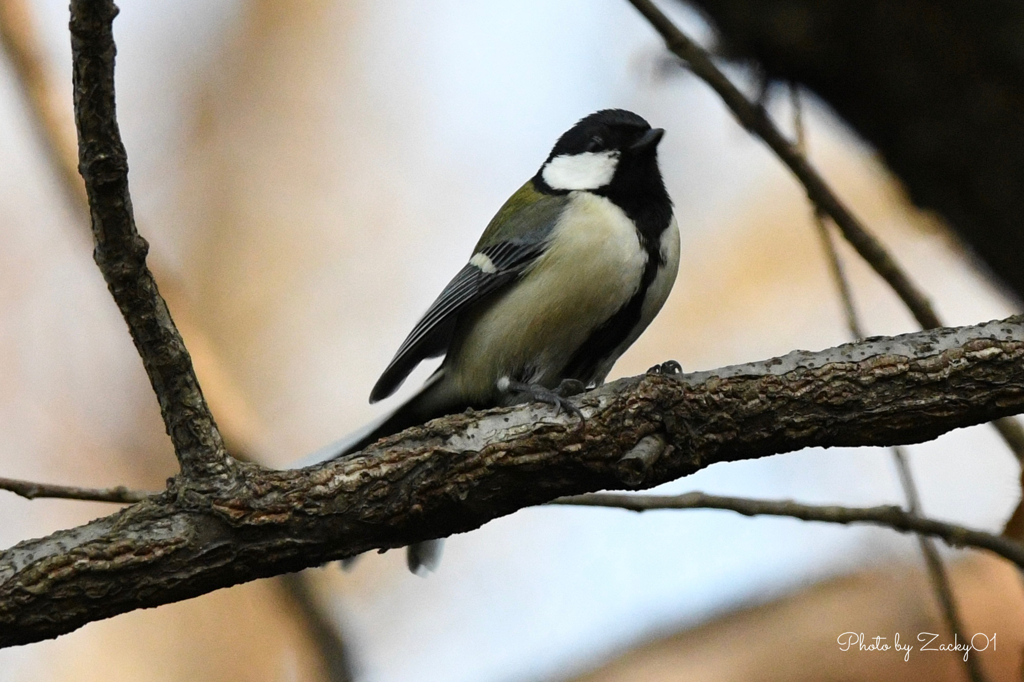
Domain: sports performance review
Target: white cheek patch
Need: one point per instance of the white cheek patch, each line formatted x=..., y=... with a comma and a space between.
x=589, y=170
x=483, y=263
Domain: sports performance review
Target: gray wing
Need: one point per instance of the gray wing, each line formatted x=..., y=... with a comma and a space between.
x=432, y=334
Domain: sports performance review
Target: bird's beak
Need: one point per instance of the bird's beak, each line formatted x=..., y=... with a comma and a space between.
x=650, y=139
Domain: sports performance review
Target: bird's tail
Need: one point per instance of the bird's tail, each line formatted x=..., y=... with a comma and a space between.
x=428, y=403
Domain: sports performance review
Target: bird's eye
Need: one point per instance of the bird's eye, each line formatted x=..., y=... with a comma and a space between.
x=596, y=143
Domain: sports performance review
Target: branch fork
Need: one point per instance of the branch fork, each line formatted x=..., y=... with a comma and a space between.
x=222, y=522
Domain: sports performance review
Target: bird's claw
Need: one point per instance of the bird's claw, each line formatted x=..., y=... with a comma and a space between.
x=670, y=367
x=570, y=387
x=557, y=398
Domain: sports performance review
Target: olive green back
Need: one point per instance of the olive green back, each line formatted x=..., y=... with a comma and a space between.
x=528, y=215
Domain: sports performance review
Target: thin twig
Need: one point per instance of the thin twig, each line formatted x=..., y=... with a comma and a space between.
x=890, y=516
x=937, y=572
x=31, y=491
x=835, y=263
x=121, y=252
x=756, y=119
x=839, y=276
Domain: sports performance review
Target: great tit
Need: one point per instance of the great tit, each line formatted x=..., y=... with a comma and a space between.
x=565, y=278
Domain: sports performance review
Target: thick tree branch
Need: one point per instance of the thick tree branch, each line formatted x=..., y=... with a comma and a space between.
x=755, y=119
x=121, y=252
x=324, y=635
x=888, y=516
x=456, y=473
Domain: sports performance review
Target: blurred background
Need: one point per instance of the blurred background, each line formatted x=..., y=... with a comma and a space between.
x=310, y=174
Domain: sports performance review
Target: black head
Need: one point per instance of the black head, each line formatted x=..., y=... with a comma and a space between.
x=591, y=154
x=613, y=153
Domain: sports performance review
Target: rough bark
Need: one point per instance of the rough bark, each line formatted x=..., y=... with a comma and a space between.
x=223, y=522
x=121, y=252
x=456, y=473
x=937, y=86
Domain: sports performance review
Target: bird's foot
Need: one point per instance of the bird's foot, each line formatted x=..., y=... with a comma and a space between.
x=570, y=387
x=670, y=367
x=541, y=394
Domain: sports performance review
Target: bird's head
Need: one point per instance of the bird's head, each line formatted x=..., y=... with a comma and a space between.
x=610, y=148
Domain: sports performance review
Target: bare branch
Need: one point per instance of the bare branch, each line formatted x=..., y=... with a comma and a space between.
x=893, y=70
x=32, y=491
x=21, y=45
x=835, y=263
x=121, y=252
x=323, y=632
x=755, y=119
x=456, y=473
x=889, y=516
x=937, y=572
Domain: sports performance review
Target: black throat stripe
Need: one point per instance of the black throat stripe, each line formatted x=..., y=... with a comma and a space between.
x=638, y=190
x=606, y=338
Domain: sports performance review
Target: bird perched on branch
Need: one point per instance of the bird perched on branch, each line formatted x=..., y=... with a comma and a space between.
x=565, y=278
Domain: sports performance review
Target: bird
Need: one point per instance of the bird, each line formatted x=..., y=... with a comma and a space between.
x=567, y=275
